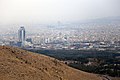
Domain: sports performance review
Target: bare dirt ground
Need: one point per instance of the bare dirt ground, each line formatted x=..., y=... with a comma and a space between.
x=18, y=64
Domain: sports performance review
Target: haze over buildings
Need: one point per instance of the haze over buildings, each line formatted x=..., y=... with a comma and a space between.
x=49, y=11
x=59, y=21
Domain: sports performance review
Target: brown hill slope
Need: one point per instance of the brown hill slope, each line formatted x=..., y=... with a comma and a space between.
x=17, y=64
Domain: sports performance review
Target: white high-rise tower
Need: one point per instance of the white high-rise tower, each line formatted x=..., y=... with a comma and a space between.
x=21, y=35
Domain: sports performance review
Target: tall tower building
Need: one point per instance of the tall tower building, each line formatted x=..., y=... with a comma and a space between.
x=21, y=35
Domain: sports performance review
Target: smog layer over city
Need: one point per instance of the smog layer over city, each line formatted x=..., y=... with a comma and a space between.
x=81, y=34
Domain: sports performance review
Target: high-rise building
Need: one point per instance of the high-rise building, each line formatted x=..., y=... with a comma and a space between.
x=21, y=35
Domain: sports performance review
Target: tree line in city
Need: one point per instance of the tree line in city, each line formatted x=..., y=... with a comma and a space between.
x=100, y=62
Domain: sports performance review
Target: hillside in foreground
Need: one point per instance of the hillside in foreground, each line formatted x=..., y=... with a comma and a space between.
x=18, y=64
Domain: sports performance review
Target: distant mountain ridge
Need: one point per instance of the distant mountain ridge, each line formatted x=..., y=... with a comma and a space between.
x=106, y=20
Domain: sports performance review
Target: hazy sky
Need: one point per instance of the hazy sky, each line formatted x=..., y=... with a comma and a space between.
x=47, y=11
